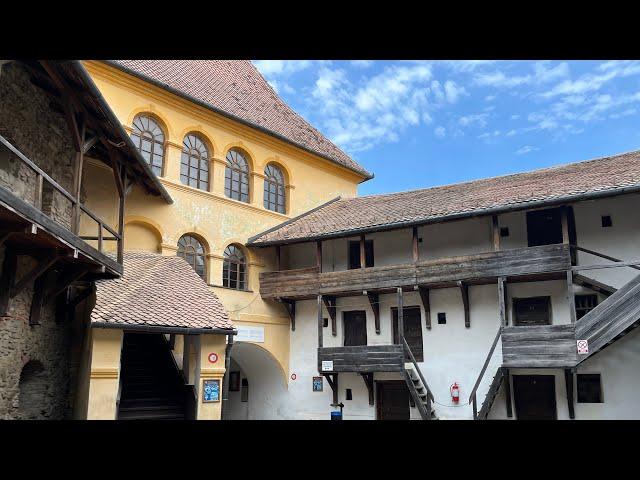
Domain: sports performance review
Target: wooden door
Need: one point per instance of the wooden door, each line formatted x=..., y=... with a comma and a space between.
x=355, y=328
x=535, y=397
x=412, y=330
x=392, y=400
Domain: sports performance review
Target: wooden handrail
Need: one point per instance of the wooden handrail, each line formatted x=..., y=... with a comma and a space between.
x=486, y=364
x=602, y=255
x=100, y=221
x=415, y=364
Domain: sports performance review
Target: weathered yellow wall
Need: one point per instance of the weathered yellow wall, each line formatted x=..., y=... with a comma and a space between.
x=104, y=374
x=219, y=221
x=208, y=371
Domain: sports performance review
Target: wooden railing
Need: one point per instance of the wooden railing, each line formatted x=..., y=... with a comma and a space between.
x=362, y=358
x=77, y=207
x=472, y=396
x=407, y=349
x=606, y=257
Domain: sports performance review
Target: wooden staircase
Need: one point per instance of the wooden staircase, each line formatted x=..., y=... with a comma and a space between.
x=152, y=388
x=418, y=387
x=595, y=285
x=492, y=393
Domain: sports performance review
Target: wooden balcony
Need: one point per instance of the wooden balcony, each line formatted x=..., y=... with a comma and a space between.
x=539, y=346
x=361, y=359
x=522, y=264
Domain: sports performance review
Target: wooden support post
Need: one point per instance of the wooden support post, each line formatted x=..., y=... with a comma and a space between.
x=186, y=358
x=400, y=317
x=464, y=291
x=330, y=304
x=172, y=341
x=571, y=297
x=502, y=310
x=565, y=225
x=374, y=301
x=475, y=407
x=320, y=321
x=424, y=295
x=121, y=220
x=40, y=288
x=290, y=305
x=507, y=392
x=568, y=380
x=41, y=267
x=319, y=255
x=416, y=251
x=496, y=232
x=77, y=184
x=278, y=258
x=4, y=236
x=9, y=267
x=368, y=381
x=65, y=280
x=37, y=201
x=363, y=253
x=335, y=390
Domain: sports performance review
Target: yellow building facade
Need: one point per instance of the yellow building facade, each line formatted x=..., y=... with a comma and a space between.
x=209, y=215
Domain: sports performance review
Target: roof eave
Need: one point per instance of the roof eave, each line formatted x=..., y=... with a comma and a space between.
x=362, y=173
x=444, y=218
x=165, y=329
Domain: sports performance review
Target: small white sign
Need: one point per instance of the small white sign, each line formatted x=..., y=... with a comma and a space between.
x=327, y=365
x=250, y=334
x=583, y=347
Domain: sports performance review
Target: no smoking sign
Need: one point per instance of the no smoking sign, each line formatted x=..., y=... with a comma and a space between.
x=213, y=357
x=583, y=347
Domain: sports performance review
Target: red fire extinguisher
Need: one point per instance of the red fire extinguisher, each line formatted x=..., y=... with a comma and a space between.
x=455, y=393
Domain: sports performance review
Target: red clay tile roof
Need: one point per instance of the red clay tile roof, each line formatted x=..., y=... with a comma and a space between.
x=378, y=212
x=237, y=89
x=158, y=291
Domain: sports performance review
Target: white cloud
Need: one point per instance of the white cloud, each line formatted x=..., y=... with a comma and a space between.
x=362, y=63
x=478, y=120
x=499, y=79
x=453, y=91
x=526, y=149
x=272, y=68
x=490, y=98
x=440, y=132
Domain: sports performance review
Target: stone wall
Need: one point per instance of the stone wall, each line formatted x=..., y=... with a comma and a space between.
x=41, y=134
x=43, y=349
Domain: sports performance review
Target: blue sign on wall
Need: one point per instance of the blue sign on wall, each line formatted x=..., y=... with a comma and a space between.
x=211, y=391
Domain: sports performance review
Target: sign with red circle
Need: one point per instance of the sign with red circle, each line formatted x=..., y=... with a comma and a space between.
x=293, y=376
x=213, y=357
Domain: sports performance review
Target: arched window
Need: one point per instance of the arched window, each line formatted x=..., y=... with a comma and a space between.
x=234, y=268
x=194, y=165
x=148, y=138
x=236, y=176
x=274, y=192
x=193, y=252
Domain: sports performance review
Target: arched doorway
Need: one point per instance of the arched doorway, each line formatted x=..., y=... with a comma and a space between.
x=260, y=388
x=33, y=386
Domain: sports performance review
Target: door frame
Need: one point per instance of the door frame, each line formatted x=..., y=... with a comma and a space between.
x=381, y=384
x=513, y=392
x=344, y=329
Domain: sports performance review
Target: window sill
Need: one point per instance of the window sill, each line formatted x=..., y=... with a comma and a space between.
x=229, y=288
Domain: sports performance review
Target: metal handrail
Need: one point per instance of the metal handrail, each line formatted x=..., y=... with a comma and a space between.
x=415, y=364
x=486, y=364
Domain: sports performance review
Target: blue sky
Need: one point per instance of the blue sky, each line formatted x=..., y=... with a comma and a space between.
x=417, y=124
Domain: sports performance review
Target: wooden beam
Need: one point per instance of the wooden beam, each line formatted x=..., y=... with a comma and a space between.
x=7, y=278
x=5, y=236
x=464, y=291
x=507, y=392
x=82, y=296
x=502, y=298
x=330, y=304
x=400, y=316
x=363, y=253
x=290, y=305
x=41, y=267
x=424, y=295
x=319, y=255
x=40, y=287
x=416, y=250
x=568, y=379
x=571, y=297
x=278, y=258
x=565, y=225
x=86, y=146
x=368, y=381
x=374, y=301
x=320, y=321
x=67, y=279
x=121, y=208
x=496, y=232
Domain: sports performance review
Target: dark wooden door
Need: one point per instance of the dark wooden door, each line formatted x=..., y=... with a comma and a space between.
x=544, y=227
x=354, y=254
x=535, y=397
x=355, y=328
x=392, y=400
x=412, y=330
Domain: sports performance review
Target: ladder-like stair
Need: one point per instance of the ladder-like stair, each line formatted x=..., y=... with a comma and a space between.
x=152, y=388
x=494, y=388
x=422, y=397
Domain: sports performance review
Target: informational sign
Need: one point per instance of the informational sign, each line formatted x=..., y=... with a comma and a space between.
x=293, y=376
x=327, y=365
x=213, y=357
x=318, y=384
x=583, y=347
x=211, y=391
x=250, y=334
